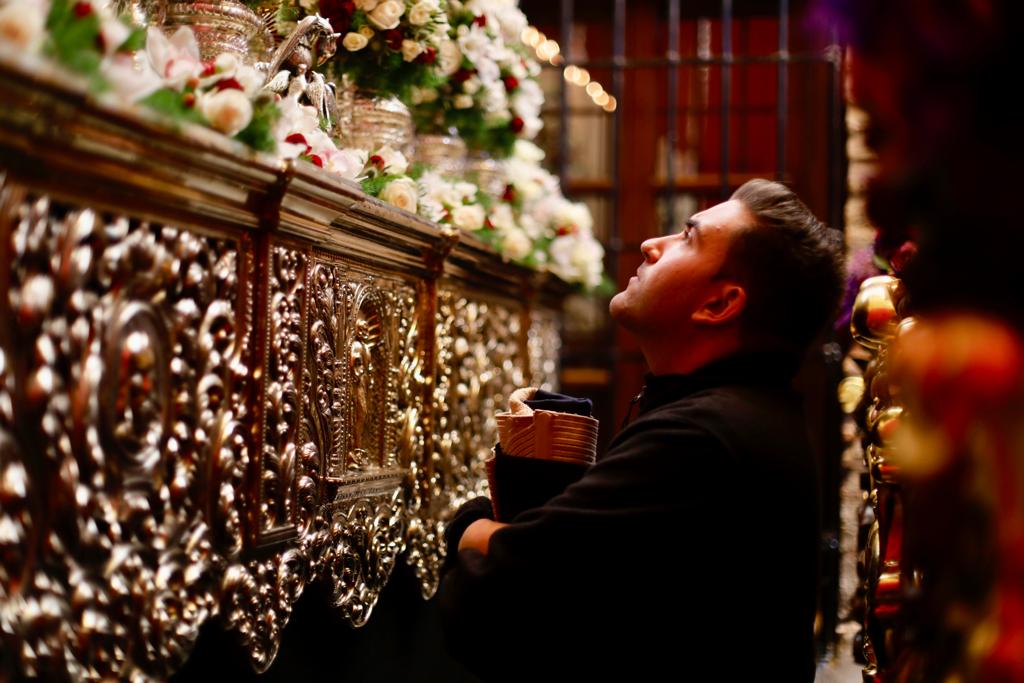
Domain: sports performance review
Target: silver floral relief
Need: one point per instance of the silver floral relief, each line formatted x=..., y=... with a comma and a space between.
x=121, y=370
x=362, y=415
x=478, y=364
x=544, y=343
x=281, y=401
x=256, y=595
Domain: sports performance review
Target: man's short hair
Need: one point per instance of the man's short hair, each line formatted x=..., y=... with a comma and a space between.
x=790, y=264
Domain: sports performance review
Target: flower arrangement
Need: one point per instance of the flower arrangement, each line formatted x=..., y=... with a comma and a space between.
x=451, y=202
x=384, y=176
x=389, y=46
x=84, y=36
x=491, y=95
x=223, y=93
x=531, y=223
x=561, y=230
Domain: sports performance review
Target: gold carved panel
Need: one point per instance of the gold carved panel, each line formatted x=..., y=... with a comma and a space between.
x=479, y=362
x=124, y=366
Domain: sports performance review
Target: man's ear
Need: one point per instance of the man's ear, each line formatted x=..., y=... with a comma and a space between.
x=724, y=305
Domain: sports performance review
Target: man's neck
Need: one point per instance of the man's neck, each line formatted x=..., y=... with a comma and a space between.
x=665, y=358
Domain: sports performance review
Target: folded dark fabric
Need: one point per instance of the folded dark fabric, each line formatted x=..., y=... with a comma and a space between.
x=519, y=484
x=470, y=511
x=560, y=403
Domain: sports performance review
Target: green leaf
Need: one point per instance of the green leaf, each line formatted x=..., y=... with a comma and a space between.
x=169, y=102
x=60, y=13
x=373, y=186
x=259, y=133
x=287, y=14
x=417, y=169
x=135, y=41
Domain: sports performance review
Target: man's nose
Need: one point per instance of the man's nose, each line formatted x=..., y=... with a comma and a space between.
x=651, y=249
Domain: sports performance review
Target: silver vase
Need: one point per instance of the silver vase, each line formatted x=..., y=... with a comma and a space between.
x=220, y=26
x=487, y=172
x=444, y=152
x=370, y=120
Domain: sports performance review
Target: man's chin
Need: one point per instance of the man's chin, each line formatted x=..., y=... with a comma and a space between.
x=618, y=308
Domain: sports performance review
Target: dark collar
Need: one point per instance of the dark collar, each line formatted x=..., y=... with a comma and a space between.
x=744, y=369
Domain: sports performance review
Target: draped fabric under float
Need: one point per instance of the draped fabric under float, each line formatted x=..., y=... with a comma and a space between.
x=222, y=378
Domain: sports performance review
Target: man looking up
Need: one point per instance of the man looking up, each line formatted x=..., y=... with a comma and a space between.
x=691, y=545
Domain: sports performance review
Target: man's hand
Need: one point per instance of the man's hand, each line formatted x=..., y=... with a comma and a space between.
x=478, y=535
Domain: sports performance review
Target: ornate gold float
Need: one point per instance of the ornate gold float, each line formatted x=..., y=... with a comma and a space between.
x=223, y=377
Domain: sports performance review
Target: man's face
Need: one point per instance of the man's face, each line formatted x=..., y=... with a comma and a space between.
x=678, y=272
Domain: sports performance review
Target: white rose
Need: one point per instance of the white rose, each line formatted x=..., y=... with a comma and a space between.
x=175, y=59
x=516, y=244
x=474, y=42
x=527, y=151
x=411, y=50
x=367, y=5
x=463, y=101
x=449, y=57
x=488, y=70
x=385, y=16
x=354, y=42
x=466, y=190
x=228, y=111
x=348, y=163
x=468, y=217
x=131, y=76
x=225, y=64
x=365, y=30
x=420, y=13
x=502, y=218
x=495, y=98
x=249, y=78
x=530, y=226
x=401, y=193
x=394, y=161
x=431, y=209
x=531, y=127
x=22, y=24
x=472, y=85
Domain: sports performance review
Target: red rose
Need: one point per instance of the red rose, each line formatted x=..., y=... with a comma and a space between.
x=516, y=125
x=462, y=75
x=228, y=83
x=82, y=9
x=564, y=230
x=394, y=38
x=377, y=160
x=209, y=68
x=480, y=21
x=509, y=195
x=339, y=13
x=428, y=56
x=511, y=83
x=317, y=161
x=296, y=139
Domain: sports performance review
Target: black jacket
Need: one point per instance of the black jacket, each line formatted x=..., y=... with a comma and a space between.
x=691, y=544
